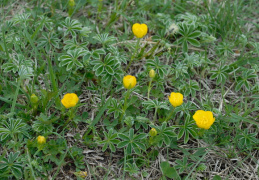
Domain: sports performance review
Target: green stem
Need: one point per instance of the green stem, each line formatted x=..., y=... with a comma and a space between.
x=16, y=94
x=133, y=55
x=5, y=46
x=30, y=165
x=124, y=106
x=71, y=114
x=36, y=153
x=155, y=114
x=149, y=88
x=124, y=163
x=168, y=117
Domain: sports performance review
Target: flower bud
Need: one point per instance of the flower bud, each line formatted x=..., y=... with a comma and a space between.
x=83, y=174
x=34, y=99
x=152, y=73
x=71, y=3
x=153, y=132
x=41, y=140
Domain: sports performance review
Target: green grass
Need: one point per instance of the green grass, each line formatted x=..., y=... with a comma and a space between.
x=50, y=48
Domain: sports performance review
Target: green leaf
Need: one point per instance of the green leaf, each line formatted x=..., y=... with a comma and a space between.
x=140, y=136
x=194, y=34
x=185, y=46
x=112, y=147
x=194, y=42
x=180, y=134
x=217, y=177
x=99, y=71
x=123, y=137
x=168, y=171
x=79, y=64
x=109, y=70
x=105, y=147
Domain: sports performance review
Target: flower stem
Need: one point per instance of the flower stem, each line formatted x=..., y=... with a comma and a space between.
x=134, y=54
x=71, y=114
x=155, y=115
x=149, y=88
x=124, y=106
x=168, y=117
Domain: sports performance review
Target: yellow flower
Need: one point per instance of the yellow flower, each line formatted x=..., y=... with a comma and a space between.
x=176, y=99
x=34, y=99
x=139, y=30
x=152, y=73
x=129, y=81
x=70, y=100
x=41, y=140
x=153, y=132
x=203, y=119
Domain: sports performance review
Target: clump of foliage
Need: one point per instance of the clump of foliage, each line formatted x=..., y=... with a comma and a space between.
x=164, y=84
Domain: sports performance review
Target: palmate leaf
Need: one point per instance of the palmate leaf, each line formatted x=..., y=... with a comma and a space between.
x=189, y=35
x=16, y=63
x=25, y=72
x=48, y=41
x=157, y=66
x=132, y=141
x=115, y=108
x=71, y=26
x=110, y=140
x=155, y=104
x=164, y=134
x=244, y=80
x=22, y=18
x=190, y=88
x=12, y=163
x=187, y=129
x=10, y=67
x=104, y=39
x=42, y=126
x=10, y=128
x=180, y=69
x=220, y=74
x=71, y=59
x=72, y=44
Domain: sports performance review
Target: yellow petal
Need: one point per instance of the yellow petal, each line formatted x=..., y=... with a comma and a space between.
x=139, y=30
x=176, y=99
x=129, y=81
x=70, y=100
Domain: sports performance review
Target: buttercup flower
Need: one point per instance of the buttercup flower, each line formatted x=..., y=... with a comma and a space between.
x=153, y=132
x=41, y=140
x=70, y=100
x=129, y=81
x=176, y=99
x=139, y=30
x=152, y=73
x=203, y=119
